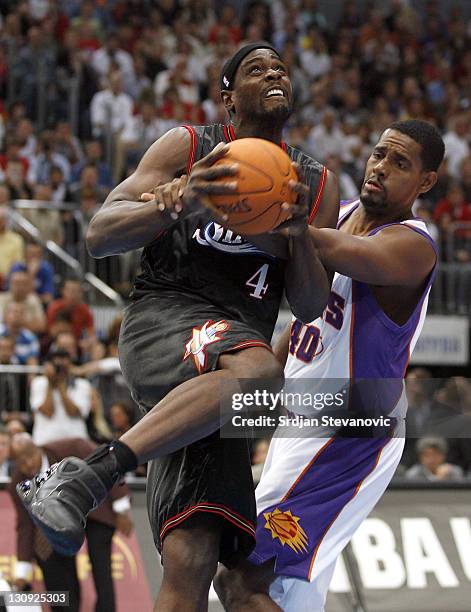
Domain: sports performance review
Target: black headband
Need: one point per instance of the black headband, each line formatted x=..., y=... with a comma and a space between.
x=230, y=67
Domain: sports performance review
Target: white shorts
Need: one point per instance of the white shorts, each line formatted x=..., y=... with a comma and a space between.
x=313, y=495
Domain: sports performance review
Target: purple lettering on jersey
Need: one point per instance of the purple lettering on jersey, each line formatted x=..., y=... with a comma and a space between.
x=307, y=348
x=295, y=331
x=334, y=310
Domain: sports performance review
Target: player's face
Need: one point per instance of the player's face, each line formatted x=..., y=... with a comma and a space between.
x=394, y=175
x=262, y=87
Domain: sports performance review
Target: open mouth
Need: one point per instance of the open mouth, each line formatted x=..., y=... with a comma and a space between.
x=275, y=92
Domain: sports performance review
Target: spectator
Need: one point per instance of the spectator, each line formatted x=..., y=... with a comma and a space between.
x=453, y=208
x=21, y=291
x=88, y=189
x=72, y=303
x=66, y=341
x=60, y=402
x=456, y=143
x=326, y=138
x=26, y=139
x=59, y=189
x=111, y=108
x=348, y=189
x=46, y=220
x=9, y=383
x=122, y=417
x=466, y=177
x=25, y=342
x=49, y=157
x=60, y=572
x=11, y=246
x=66, y=144
x=40, y=271
x=432, y=465
x=15, y=426
x=5, y=463
x=94, y=156
x=315, y=59
x=14, y=176
x=139, y=133
x=109, y=57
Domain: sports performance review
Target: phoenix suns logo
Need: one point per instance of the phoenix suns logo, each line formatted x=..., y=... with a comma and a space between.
x=200, y=339
x=285, y=526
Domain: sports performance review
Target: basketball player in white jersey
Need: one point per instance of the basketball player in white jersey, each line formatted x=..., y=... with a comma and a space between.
x=316, y=491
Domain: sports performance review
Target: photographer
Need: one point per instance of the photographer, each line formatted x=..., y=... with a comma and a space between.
x=60, y=402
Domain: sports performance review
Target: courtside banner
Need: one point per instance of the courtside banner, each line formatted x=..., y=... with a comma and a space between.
x=413, y=554
x=444, y=340
x=130, y=581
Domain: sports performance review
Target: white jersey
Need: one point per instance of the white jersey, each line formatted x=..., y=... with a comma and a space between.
x=318, y=487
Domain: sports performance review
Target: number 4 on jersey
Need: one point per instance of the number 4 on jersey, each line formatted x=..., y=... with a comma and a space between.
x=256, y=282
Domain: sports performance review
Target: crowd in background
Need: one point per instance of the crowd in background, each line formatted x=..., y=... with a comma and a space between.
x=86, y=87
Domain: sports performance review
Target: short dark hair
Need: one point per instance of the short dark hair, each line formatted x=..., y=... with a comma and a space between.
x=428, y=137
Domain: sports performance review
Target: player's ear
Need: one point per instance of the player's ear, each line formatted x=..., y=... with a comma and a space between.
x=226, y=97
x=429, y=180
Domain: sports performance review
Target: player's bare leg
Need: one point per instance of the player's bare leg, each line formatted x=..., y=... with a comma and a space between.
x=60, y=501
x=190, y=556
x=245, y=589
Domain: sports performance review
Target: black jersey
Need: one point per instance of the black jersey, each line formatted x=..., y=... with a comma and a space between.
x=199, y=257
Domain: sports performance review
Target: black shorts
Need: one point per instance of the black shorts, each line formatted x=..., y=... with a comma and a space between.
x=164, y=341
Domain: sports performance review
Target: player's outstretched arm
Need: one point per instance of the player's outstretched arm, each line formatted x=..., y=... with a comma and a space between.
x=307, y=282
x=395, y=256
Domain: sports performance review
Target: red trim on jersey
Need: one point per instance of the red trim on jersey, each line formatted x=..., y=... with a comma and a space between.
x=318, y=198
x=227, y=513
x=232, y=133
x=283, y=145
x=226, y=134
x=192, y=152
x=248, y=344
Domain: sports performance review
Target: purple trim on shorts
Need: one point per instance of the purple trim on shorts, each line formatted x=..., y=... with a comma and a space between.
x=318, y=497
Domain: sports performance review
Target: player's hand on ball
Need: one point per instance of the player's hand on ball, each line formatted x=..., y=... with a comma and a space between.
x=299, y=212
x=203, y=181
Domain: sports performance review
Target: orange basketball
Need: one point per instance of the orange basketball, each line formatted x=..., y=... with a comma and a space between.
x=264, y=172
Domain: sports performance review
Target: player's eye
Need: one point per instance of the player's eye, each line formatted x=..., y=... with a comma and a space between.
x=255, y=69
x=280, y=68
x=376, y=155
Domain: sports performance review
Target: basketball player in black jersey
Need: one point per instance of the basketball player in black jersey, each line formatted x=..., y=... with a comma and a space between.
x=202, y=316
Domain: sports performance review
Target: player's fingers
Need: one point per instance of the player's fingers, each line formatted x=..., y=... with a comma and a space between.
x=206, y=201
x=299, y=187
x=212, y=188
x=214, y=172
x=299, y=171
x=167, y=197
x=294, y=210
x=146, y=197
x=217, y=153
